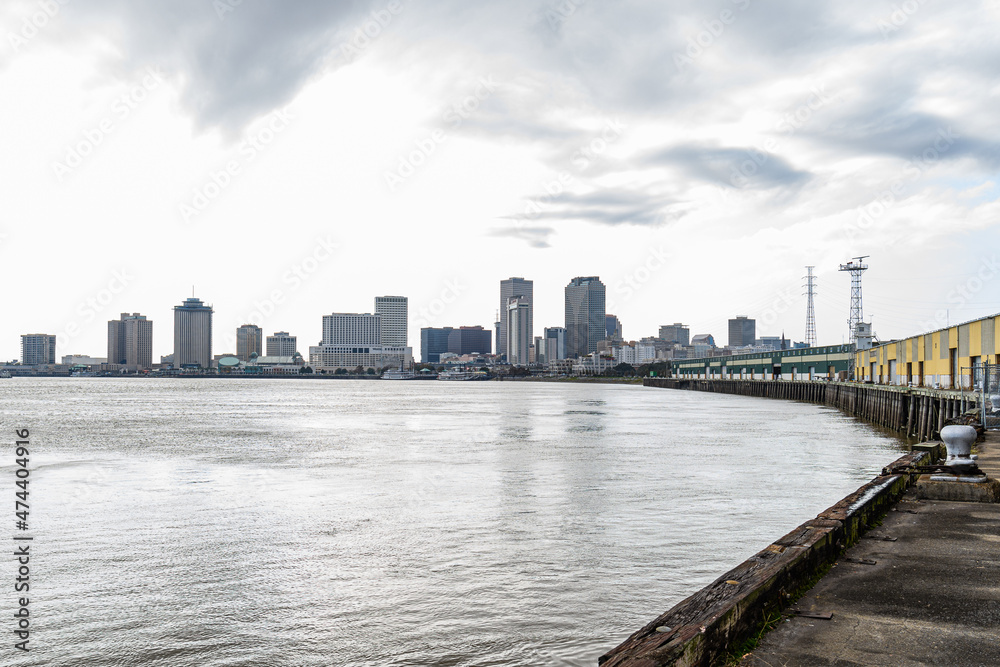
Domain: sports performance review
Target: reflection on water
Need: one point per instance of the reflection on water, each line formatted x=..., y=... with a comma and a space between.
x=257, y=522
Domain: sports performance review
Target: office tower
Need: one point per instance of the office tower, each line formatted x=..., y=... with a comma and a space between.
x=675, y=333
x=393, y=310
x=612, y=328
x=138, y=341
x=470, y=340
x=585, y=324
x=555, y=343
x=38, y=349
x=433, y=343
x=519, y=338
x=742, y=332
x=510, y=288
x=539, y=350
x=281, y=345
x=192, y=334
x=248, y=341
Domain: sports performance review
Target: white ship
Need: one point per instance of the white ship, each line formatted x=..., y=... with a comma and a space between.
x=399, y=375
x=458, y=375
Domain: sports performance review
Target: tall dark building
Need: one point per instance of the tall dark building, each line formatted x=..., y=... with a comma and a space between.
x=612, y=328
x=433, y=342
x=585, y=323
x=470, y=340
x=742, y=332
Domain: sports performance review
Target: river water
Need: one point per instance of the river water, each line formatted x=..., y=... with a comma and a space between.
x=220, y=522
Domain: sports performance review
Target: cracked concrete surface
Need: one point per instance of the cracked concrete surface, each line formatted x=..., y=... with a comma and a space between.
x=932, y=598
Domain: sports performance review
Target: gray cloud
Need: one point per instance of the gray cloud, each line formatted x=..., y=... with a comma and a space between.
x=729, y=167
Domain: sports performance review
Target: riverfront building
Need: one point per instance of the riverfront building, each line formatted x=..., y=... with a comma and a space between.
x=248, y=342
x=130, y=342
x=742, y=332
x=585, y=321
x=282, y=345
x=943, y=358
x=510, y=288
x=393, y=310
x=193, y=334
x=435, y=341
x=828, y=362
x=355, y=339
x=38, y=349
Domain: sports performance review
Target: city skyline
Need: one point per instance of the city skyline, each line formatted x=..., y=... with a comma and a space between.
x=764, y=143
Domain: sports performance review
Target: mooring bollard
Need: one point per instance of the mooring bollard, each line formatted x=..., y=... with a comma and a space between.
x=958, y=440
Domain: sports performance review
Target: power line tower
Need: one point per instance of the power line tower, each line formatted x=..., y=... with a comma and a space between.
x=810, y=307
x=856, y=267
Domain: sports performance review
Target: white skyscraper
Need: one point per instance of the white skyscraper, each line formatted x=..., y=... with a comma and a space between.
x=281, y=344
x=519, y=339
x=393, y=310
x=514, y=287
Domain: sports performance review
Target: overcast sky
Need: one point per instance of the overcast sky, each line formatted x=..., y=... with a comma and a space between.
x=288, y=160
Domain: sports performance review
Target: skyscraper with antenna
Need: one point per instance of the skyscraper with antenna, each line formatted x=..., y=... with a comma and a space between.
x=810, y=307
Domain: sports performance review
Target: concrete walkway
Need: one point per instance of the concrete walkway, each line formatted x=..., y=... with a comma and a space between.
x=932, y=596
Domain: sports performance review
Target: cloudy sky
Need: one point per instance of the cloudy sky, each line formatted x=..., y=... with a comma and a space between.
x=287, y=160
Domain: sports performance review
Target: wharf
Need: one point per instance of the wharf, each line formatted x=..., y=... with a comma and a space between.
x=931, y=598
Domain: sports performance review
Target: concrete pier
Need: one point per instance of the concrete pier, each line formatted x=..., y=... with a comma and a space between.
x=930, y=596
x=912, y=412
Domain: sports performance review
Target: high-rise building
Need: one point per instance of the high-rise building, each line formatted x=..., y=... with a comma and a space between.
x=612, y=328
x=134, y=338
x=519, y=338
x=742, y=331
x=433, y=343
x=393, y=310
x=355, y=339
x=38, y=349
x=192, y=334
x=248, y=341
x=470, y=340
x=510, y=288
x=554, y=343
x=585, y=323
x=352, y=329
x=675, y=333
x=281, y=345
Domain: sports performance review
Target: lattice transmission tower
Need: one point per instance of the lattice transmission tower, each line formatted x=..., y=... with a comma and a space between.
x=810, y=307
x=856, y=267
